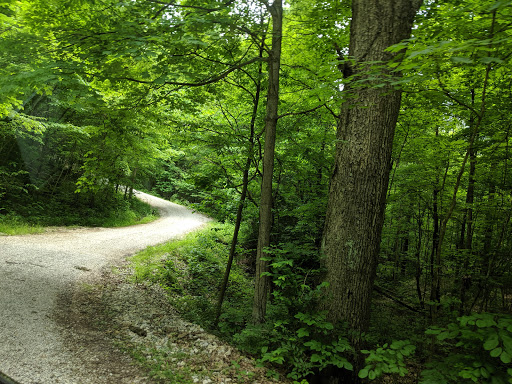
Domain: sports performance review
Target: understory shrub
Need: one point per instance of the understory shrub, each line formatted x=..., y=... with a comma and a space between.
x=474, y=349
x=297, y=339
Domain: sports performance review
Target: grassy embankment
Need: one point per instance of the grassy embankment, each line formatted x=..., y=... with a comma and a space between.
x=117, y=212
x=190, y=270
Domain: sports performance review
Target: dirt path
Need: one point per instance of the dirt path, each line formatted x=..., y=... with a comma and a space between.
x=39, y=271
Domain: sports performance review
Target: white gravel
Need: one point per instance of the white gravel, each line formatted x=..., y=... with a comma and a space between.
x=37, y=270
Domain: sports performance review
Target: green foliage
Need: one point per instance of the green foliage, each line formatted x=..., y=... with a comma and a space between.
x=191, y=270
x=296, y=336
x=388, y=359
x=477, y=348
x=309, y=349
x=61, y=211
x=15, y=225
x=93, y=96
x=40, y=164
x=302, y=342
x=295, y=272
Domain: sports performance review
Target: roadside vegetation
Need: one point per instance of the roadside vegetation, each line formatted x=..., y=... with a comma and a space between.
x=117, y=212
x=190, y=270
x=15, y=225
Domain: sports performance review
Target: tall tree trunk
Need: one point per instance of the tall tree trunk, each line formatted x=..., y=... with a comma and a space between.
x=418, y=261
x=262, y=282
x=132, y=182
x=355, y=211
x=465, y=282
x=243, y=195
x=435, y=258
x=470, y=199
x=404, y=251
x=487, y=252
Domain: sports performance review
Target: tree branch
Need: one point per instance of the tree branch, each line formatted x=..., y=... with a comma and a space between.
x=398, y=301
x=302, y=112
x=199, y=83
x=209, y=10
x=331, y=111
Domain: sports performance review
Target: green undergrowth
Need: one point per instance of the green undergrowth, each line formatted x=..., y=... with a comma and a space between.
x=37, y=214
x=165, y=365
x=296, y=342
x=191, y=270
x=293, y=342
x=15, y=225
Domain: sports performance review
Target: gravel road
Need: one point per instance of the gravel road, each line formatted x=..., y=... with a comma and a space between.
x=36, y=271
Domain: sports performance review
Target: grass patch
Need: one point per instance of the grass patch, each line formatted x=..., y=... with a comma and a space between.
x=171, y=365
x=114, y=212
x=15, y=225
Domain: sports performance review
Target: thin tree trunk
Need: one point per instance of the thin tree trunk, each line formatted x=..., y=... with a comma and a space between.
x=132, y=182
x=435, y=258
x=488, y=255
x=404, y=252
x=243, y=195
x=262, y=282
x=473, y=134
x=470, y=199
x=418, y=263
x=465, y=282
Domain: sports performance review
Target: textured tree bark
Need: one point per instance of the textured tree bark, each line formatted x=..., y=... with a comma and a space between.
x=355, y=212
x=265, y=216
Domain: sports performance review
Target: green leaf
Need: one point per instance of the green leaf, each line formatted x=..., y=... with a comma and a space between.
x=408, y=349
x=302, y=332
x=315, y=358
x=505, y=358
x=507, y=343
x=363, y=373
x=314, y=345
x=496, y=352
x=486, y=321
x=372, y=375
x=488, y=60
x=492, y=342
x=498, y=4
x=422, y=52
x=460, y=59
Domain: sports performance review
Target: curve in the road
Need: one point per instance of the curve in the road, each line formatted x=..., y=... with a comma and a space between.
x=36, y=269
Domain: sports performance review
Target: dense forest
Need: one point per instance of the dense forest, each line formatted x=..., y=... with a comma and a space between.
x=359, y=152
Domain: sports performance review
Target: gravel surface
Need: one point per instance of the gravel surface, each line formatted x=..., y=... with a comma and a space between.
x=140, y=318
x=40, y=303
